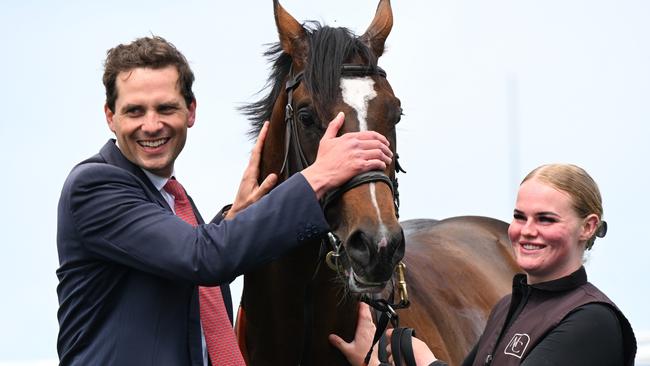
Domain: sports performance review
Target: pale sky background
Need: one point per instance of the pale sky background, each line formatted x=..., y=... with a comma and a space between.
x=490, y=89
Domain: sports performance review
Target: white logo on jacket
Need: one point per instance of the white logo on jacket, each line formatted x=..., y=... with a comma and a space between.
x=517, y=345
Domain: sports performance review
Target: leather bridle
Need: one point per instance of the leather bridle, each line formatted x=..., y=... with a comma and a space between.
x=386, y=308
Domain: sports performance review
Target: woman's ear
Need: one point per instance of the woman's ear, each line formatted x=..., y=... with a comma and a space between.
x=589, y=227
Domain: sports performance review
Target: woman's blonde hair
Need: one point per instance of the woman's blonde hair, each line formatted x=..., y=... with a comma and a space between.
x=579, y=185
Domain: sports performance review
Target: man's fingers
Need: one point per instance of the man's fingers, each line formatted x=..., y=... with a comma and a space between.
x=262, y=136
x=266, y=186
x=378, y=155
x=334, y=126
x=386, y=150
x=256, y=154
x=374, y=149
x=370, y=135
x=374, y=144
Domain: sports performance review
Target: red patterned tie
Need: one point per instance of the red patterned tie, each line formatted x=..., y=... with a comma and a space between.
x=219, y=335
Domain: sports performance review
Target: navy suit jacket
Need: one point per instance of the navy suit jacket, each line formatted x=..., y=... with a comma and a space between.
x=129, y=268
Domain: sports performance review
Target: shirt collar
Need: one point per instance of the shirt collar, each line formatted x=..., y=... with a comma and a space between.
x=158, y=181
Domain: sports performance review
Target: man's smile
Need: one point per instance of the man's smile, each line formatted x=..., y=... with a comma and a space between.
x=153, y=143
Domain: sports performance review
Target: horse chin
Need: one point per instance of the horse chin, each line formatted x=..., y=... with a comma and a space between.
x=359, y=285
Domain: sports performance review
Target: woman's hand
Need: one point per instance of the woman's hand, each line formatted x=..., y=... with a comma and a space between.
x=421, y=352
x=356, y=350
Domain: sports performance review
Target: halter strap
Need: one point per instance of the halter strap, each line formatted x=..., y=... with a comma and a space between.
x=357, y=180
x=361, y=70
x=291, y=130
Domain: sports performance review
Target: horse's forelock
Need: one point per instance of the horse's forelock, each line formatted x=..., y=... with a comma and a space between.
x=329, y=48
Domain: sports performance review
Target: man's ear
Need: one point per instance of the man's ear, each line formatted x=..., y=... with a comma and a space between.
x=192, y=114
x=109, y=117
x=589, y=226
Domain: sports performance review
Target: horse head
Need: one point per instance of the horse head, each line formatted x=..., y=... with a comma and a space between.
x=319, y=71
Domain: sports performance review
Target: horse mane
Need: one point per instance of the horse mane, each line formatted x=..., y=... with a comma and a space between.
x=329, y=48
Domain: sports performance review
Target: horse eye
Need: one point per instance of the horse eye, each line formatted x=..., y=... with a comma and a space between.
x=306, y=118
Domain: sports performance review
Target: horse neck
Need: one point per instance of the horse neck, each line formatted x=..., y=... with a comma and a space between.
x=287, y=301
x=294, y=297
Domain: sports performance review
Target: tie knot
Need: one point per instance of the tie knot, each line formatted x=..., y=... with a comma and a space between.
x=175, y=189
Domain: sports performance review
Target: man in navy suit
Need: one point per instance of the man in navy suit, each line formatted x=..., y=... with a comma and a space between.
x=129, y=267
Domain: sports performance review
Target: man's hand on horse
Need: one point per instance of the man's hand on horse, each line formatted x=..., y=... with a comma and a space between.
x=343, y=157
x=249, y=190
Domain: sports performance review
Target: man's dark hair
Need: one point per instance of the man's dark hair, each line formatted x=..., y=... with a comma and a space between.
x=148, y=52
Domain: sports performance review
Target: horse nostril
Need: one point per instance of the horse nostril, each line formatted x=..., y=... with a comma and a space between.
x=375, y=255
x=358, y=248
x=391, y=252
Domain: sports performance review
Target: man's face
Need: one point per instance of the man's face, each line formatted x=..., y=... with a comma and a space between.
x=151, y=118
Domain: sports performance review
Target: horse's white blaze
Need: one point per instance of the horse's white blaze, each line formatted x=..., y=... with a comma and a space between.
x=357, y=93
x=382, y=228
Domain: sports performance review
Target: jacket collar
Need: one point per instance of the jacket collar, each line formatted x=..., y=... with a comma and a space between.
x=575, y=279
x=112, y=155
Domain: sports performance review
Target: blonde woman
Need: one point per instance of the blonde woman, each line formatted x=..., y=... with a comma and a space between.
x=553, y=316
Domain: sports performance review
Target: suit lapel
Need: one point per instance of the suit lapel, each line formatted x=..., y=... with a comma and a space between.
x=111, y=154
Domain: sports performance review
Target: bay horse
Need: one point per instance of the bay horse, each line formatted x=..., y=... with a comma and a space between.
x=456, y=268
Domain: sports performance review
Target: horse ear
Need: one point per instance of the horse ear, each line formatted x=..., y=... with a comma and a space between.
x=293, y=37
x=376, y=34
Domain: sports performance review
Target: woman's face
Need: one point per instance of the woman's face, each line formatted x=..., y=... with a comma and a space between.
x=546, y=233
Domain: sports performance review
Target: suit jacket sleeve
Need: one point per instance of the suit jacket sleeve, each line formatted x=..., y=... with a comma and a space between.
x=115, y=218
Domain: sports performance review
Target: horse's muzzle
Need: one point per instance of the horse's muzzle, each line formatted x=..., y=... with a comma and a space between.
x=372, y=259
